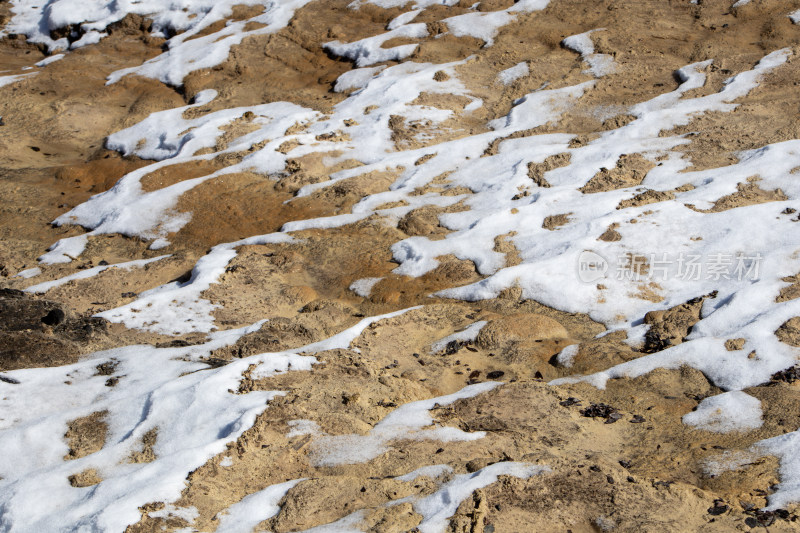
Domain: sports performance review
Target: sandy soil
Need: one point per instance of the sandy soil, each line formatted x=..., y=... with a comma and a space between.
x=646, y=471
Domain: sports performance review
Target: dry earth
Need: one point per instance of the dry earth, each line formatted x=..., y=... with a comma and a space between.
x=647, y=471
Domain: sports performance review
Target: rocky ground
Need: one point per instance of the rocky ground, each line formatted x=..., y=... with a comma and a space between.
x=618, y=458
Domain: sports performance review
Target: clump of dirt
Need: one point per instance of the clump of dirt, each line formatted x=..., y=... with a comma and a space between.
x=791, y=291
x=747, y=194
x=733, y=345
x=536, y=171
x=86, y=435
x=611, y=234
x=789, y=332
x=146, y=454
x=670, y=327
x=629, y=172
x=787, y=376
x=423, y=221
x=553, y=222
x=86, y=478
x=647, y=197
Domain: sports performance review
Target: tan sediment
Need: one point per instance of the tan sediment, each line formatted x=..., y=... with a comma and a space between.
x=640, y=476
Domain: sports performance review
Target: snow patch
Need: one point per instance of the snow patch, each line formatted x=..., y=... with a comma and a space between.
x=509, y=75
x=408, y=421
x=88, y=273
x=363, y=286
x=468, y=334
x=727, y=412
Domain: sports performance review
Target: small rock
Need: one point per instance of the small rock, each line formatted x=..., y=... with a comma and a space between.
x=719, y=508
x=601, y=410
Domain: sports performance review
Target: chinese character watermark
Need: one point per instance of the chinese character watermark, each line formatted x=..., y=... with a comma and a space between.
x=661, y=266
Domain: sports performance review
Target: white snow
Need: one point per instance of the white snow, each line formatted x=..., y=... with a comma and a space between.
x=36, y=411
x=723, y=413
x=785, y=448
x=64, y=250
x=470, y=333
x=164, y=389
x=566, y=357
x=185, y=51
x=167, y=390
x=437, y=508
x=302, y=427
x=363, y=286
x=178, y=307
x=254, y=508
x=409, y=421
x=29, y=273
x=480, y=25
x=401, y=20
x=599, y=64
x=485, y=25
x=795, y=16
x=88, y=273
x=171, y=139
x=370, y=50
x=8, y=80
x=509, y=75
x=126, y=209
x=356, y=78
x=51, y=59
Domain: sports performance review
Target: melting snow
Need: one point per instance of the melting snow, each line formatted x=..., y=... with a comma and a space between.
x=509, y=75
x=470, y=333
x=187, y=401
x=408, y=421
x=85, y=274
x=723, y=413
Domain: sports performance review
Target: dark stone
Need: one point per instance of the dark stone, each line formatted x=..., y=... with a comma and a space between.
x=569, y=402
x=453, y=347
x=790, y=375
x=601, y=410
x=719, y=508
x=54, y=317
x=106, y=369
